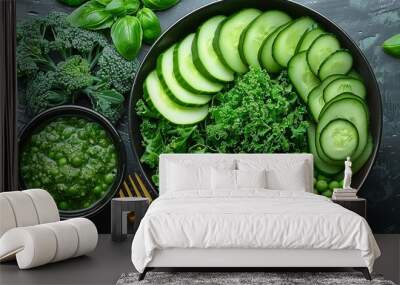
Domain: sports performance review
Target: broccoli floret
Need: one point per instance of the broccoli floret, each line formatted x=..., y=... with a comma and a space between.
x=74, y=73
x=116, y=70
x=42, y=93
x=79, y=39
x=52, y=56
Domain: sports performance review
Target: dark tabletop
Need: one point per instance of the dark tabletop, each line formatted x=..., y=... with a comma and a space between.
x=369, y=23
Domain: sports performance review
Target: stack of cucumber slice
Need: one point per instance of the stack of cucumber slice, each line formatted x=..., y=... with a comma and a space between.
x=191, y=71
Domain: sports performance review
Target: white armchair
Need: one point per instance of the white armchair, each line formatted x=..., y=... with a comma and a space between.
x=31, y=231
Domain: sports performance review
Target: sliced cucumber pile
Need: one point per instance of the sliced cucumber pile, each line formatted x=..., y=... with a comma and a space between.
x=301, y=75
x=227, y=38
x=191, y=71
x=259, y=29
x=172, y=111
x=308, y=38
x=187, y=73
x=205, y=57
x=165, y=71
x=320, y=49
x=284, y=47
x=265, y=57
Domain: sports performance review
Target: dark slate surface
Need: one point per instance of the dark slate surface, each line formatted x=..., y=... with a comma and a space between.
x=369, y=23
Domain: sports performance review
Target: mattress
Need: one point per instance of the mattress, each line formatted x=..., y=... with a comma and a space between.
x=250, y=219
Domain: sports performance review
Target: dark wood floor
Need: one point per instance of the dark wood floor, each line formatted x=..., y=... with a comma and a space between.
x=103, y=266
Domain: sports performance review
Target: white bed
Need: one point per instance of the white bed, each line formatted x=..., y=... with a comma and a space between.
x=201, y=226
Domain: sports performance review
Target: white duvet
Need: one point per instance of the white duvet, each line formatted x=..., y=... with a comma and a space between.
x=253, y=218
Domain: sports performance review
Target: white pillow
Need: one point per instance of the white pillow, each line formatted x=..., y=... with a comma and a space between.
x=228, y=179
x=223, y=179
x=290, y=179
x=282, y=174
x=181, y=177
x=186, y=174
x=251, y=178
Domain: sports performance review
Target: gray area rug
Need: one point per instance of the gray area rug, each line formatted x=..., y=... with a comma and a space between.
x=244, y=278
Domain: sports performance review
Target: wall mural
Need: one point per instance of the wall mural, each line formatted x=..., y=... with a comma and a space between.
x=83, y=156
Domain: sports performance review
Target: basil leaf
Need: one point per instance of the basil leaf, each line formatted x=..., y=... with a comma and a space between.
x=392, y=45
x=132, y=6
x=90, y=15
x=159, y=4
x=150, y=25
x=116, y=7
x=123, y=7
x=126, y=34
x=103, y=2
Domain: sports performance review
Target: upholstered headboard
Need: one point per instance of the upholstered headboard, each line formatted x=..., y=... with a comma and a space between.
x=211, y=158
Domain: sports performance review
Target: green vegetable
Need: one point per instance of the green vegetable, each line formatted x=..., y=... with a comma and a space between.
x=103, y=2
x=74, y=73
x=333, y=184
x=127, y=34
x=159, y=4
x=321, y=185
x=116, y=71
x=150, y=25
x=327, y=193
x=73, y=3
x=392, y=45
x=257, y=114
x=72, y=176
x=59, y=63
x=91, y=15
x=122, y=7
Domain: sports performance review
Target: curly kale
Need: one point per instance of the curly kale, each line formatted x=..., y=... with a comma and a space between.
x=255, y=114
x=258, y=115
x=76, y=60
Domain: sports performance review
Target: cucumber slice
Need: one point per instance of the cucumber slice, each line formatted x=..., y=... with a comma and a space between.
x=187, y=74
x=364, y=156
x=285, y=44
x=172, y=111
x=347, y=107
x=339, y=139
x=165, y=72
x=320, y=49
x=316, y=97
x=308, y=39
x=301, y=75
x=339, y=62
x=322, y=166
x=255, y=33
x=265, y=53
x=342, y=85
x=205, y=57
x=354, y=74
x=227, y=37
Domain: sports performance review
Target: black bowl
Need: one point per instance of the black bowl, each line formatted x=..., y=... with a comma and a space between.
x=78, y=111
x=191, y=22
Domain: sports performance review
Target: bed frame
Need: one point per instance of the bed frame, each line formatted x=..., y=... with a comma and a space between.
x=249, y=259
x=240, y=259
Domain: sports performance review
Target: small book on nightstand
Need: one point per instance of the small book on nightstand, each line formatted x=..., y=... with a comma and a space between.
x=344, y=194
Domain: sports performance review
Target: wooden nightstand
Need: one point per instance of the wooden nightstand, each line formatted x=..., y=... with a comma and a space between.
x=357, y=205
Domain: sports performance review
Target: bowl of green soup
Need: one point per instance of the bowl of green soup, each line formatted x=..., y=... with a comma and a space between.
x=76, y=155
